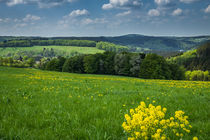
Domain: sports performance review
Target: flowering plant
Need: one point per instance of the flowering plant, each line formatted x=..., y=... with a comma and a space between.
x=150, y=123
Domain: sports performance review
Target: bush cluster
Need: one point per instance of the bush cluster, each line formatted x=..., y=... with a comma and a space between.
x=197, y=75
x=20, y=63
x=156, y=67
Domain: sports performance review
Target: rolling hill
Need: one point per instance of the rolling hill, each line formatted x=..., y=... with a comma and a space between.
x=136, y=41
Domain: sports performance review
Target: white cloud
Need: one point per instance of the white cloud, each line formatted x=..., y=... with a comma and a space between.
x=107, y=6
x=123, y=4
x=5, y=20
x=16, y=20
x=164, y=7
x=162, y=2
x=123, y=13
x=15, y=2
x=48, y=5
x=177, y=12
x=40, y=3
x=87, y=21
x=207, y=10
x=188, y=1
x=21, y=22
x=78, y=12
x=29, y=18
x=154, y=12
x=20, y=25
x=76, y=17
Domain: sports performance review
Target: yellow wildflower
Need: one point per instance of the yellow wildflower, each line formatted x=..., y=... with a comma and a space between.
x=195, y=138
x=149, y=122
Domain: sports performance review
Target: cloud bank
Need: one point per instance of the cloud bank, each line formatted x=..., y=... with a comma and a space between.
x=40, y=3
x=122, y=4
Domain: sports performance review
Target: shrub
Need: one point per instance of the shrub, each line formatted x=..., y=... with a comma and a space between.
x=43, y=63
x=61, y=61
x=53, y=65
x=197, y=75
x=30, y=62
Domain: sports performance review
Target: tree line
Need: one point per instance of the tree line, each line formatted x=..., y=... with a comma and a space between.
x=118, y=62
x=111, y=47
x=150, y=66
x=147, y=66
x=30, y=43
x=79, y=43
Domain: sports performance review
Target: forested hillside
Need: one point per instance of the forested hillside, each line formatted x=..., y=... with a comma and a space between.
x=54, y=48
x=198, y=59
x=134, y=41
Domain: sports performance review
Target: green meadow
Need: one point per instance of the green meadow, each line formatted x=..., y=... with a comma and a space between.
x=37, y=104
x=59, y=50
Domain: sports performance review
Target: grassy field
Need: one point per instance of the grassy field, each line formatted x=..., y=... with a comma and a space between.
x=59, y=50
x=37, y=104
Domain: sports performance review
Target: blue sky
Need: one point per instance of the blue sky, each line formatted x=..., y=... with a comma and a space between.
x=104, y=17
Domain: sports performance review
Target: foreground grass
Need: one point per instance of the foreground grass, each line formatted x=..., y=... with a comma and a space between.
x=59, y=50
x=38, y=104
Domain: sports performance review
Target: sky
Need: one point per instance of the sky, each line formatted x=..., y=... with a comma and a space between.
x=104, y=17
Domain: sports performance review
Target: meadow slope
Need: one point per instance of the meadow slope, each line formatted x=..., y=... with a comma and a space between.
x=38, y=50
x=37, y=104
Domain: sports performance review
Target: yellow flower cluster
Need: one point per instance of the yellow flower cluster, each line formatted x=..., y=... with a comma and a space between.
x=150, y=123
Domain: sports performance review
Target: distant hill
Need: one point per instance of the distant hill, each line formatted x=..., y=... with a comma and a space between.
x=136, y=41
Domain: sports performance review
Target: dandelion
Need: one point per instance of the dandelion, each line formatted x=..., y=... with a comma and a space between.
x=164, y=110
x=100, y=95
x=25, y=97
x=195, y=138
x=131, y=138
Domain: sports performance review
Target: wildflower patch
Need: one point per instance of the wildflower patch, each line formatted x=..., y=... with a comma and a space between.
x=151, y=123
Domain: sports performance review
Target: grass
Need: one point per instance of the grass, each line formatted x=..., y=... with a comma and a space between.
x=37, y=104
x=59, y=50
